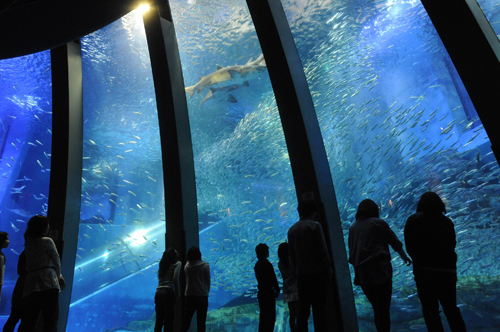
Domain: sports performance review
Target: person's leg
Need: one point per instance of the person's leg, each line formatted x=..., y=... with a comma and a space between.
x=384, y=307
x=159, y=310
x=267, y=315
x=30, y=314
x=49, y=300
x=304, y=304
x=292, y=307
x=447, y=293
x=189, y=309
x=319, y=287
x=15, y=316
x=169, y=313
x=430, y=305
x=201, y=312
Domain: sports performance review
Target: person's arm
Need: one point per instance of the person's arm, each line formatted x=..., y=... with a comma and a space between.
x=276, y=285
x=397, y=245
x=207, y=277
x=177, y=272
x=54, y=257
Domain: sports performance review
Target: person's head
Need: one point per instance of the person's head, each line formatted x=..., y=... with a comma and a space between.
x=306, y=209
x=367, y=209
x=262, y=251
x=169, y=257
x=4, y=240
x=38, y=226
x=283, y=253
x=430, y=202
x=194, y=254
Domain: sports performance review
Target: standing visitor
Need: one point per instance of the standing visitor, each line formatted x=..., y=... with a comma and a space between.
x=43, y=280
x=168, y=290
x=311, y=263
x=4, y=243
x=369, y=240
x=268, y=287
x=430, y=241
x=197, y=289
x=290, y=291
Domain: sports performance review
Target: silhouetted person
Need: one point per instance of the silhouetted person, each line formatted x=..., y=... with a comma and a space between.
x=17, y=295
x=311, y=263
x=4, y=243
x=268, y=287
x=168, y=290
x=197, y=289
x=290, y=290
x=369, y=240
x=43, y=280
x=430, y=241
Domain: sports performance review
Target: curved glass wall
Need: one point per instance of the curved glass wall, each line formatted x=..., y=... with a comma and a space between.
x=122, y=221
x=25, y=153
x=245, y=189
x=397, y=122
x=491, y=10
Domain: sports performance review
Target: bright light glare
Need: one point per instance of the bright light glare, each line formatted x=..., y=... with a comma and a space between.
x=138, y=237
x=143, y=8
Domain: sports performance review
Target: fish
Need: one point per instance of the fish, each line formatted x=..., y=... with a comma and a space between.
x=223, y=93
x=235, y=74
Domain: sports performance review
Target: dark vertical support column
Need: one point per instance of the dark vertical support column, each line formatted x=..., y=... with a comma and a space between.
x=178, y=166
x=473, y=55
x=66, y=165
x=305, y=146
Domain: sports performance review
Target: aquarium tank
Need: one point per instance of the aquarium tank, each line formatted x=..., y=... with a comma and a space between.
x=25, y=154
x=491, y=9
x=395, y=118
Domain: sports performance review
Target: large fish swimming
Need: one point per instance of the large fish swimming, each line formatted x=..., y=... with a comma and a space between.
x=236, y=74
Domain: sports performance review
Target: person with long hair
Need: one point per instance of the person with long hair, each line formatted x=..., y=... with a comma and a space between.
x=430, y=240
x=168, y=290
x=290, y=290
x=369, y=240
x=197, y=274
x=43, y=280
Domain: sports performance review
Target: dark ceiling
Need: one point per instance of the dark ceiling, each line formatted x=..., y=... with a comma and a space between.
x=29, y=26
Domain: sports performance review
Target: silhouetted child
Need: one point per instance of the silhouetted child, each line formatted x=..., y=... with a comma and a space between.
x=290, y=290
x=17, y=296
x=4, y=243
x=268, y=289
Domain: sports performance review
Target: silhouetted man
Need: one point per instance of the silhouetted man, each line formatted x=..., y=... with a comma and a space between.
x=311, y=262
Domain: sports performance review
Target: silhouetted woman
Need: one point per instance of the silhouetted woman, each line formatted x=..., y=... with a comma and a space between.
x=167, y=291
x=197, y=289
x=43, y=280
x=290, y=290
x=369, y=240
x=430, y=241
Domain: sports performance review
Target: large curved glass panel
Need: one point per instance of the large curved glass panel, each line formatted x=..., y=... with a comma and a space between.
x=491, y=10
x=397, y=122
x=122, y=225
x=25, y=153
x=244, y=182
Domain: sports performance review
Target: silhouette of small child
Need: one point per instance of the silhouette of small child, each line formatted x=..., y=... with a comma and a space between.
x=4, y=243
x=268, y=289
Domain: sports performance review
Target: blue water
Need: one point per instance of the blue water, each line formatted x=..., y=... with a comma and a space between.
x=25, y=153
x=395, y=118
